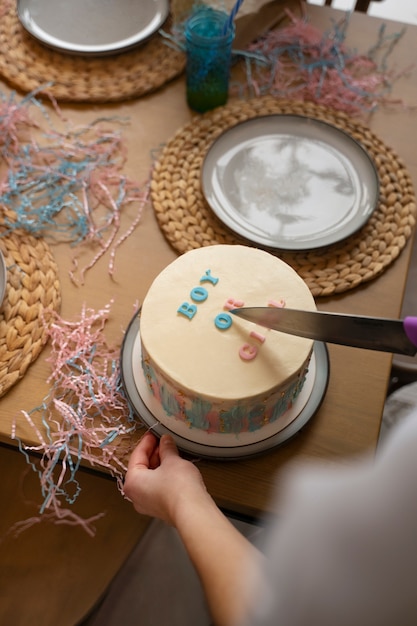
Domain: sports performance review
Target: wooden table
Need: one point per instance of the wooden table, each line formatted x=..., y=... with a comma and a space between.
x=349, y=419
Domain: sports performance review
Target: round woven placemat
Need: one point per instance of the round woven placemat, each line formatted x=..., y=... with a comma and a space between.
x=32, y=289
x=28, y=65
x=188, y=222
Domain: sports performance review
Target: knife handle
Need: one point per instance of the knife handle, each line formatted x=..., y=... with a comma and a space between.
x=410, y=327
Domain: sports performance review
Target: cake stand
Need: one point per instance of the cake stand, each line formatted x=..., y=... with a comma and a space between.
x=220, y=446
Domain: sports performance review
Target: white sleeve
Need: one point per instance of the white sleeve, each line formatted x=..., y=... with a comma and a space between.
x=343, y=550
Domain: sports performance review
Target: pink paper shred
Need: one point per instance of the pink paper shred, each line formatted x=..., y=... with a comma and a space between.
x=327, y=71
x=85, y=417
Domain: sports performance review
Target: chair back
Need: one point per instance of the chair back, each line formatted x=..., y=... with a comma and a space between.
x=360, y=5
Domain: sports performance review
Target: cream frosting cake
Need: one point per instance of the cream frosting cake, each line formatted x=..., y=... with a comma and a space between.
x=208, y=368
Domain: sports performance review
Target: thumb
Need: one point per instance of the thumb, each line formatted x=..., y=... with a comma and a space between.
x=167, y=447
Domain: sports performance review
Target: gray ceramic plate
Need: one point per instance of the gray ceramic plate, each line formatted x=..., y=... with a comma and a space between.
x=290, y=182
x=221, y=446
x=92, y=27
x=3, y=278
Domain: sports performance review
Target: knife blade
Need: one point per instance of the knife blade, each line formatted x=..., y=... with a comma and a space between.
x=372, y=333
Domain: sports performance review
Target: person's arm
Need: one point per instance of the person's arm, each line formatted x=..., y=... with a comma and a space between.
x=163, y=485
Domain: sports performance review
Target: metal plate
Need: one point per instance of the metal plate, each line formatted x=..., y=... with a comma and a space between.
x=3, y=278
x=220, y=446
x=290, y=182
x=92, y=27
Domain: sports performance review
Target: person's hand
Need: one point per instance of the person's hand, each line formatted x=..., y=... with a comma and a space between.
x=159, y=481
x=161, y=484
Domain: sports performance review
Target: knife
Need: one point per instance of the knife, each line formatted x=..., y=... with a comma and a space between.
x=371, y=333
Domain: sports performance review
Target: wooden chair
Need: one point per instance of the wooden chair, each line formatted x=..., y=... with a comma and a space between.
x=360, y=5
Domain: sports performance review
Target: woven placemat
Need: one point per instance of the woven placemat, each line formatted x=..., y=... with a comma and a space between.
x=188, y=222
x=28, y=65
x=32, y=289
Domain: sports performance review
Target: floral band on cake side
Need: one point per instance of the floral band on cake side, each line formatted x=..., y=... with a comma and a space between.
x=212, y=417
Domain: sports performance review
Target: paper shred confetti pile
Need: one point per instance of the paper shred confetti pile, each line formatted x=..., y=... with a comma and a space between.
x=85, y=416
x=66, y=185
x=327, y=71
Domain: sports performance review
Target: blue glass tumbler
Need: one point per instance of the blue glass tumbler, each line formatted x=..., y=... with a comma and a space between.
x=208, y=53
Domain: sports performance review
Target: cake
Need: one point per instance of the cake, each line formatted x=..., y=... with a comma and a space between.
x=208, y=368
